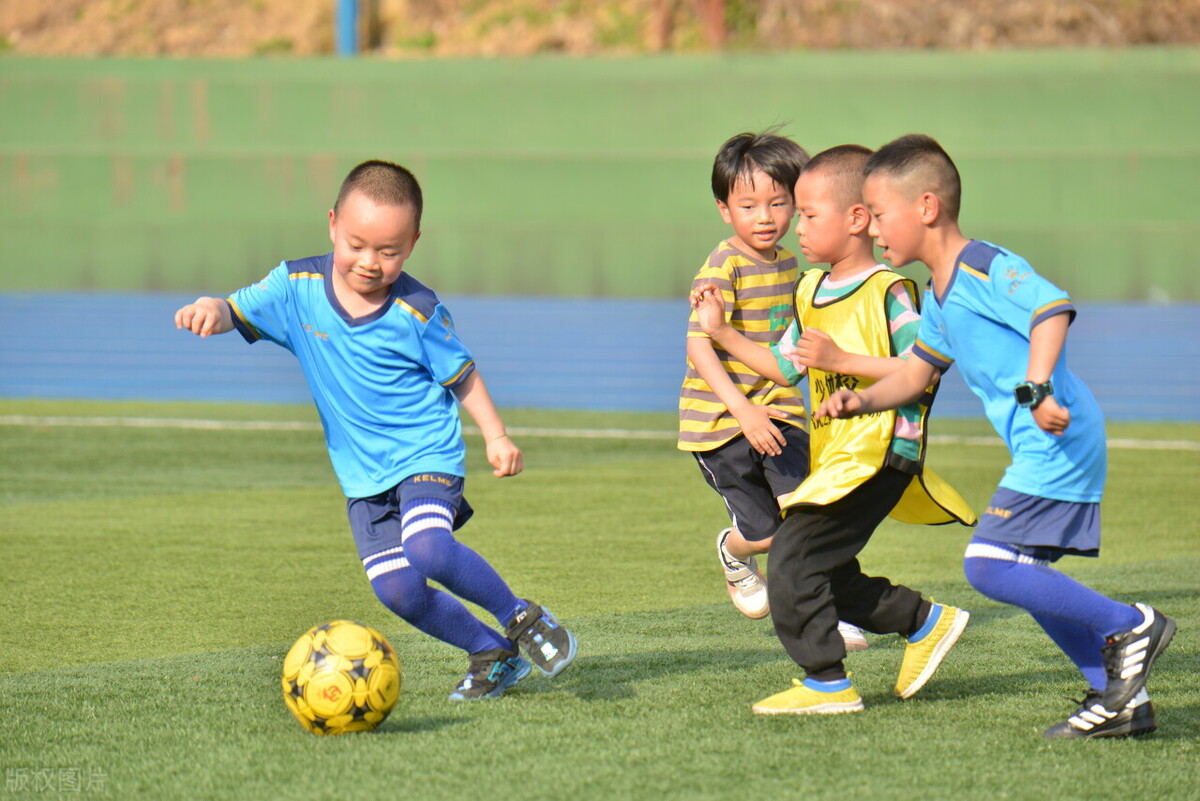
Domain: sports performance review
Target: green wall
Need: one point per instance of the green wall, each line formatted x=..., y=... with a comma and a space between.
x=576, y=177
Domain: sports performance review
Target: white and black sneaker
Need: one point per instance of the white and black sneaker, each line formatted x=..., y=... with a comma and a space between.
x=1128, y=656
x=1093, y=720
x=549, y=646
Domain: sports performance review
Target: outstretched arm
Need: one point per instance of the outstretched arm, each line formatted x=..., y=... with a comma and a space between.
x=817, y=349
x=1045, y=346
x=205, y=317
x=901, y=387
x=710, y=310
x=502, y=453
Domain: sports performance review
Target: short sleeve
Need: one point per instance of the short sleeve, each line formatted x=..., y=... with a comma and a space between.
x=786, y=355
x=1022, y=298
x=259, y=311
x=447, y=358
x=903, y=318
x=931, y=344
x=721, y=277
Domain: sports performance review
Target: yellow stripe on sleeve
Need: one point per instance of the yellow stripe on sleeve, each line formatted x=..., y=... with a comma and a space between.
x=457, y=376
x=400, y=302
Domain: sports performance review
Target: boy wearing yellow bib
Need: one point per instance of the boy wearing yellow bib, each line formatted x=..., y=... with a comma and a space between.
x=853, y=325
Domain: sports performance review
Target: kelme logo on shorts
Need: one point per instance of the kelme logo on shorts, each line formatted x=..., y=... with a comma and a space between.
x=443, y=480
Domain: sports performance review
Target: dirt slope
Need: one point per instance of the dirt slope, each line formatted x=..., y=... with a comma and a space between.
x=418, y=28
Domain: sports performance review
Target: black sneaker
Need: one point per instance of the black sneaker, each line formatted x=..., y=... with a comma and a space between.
x=1129, y=655
x=491, y=673
x=547, y=644
x=1093, y=720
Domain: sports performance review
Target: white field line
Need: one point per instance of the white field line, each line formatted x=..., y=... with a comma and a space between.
x=518, y=431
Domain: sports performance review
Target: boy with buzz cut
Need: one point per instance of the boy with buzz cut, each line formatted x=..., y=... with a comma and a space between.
x=385, y=368
x=746, y=432
x=853, y=325
x=1006, y=326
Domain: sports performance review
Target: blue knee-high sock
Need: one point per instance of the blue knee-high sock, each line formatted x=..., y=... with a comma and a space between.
x=431, y=548
x=1003, y=574
x=1081, y=645
x=439, y=614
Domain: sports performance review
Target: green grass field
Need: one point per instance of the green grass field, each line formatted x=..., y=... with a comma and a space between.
x=154, y=577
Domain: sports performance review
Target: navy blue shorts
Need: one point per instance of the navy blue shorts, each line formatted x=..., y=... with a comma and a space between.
x=751, y=483
x=375, y=521
x=1041, y=527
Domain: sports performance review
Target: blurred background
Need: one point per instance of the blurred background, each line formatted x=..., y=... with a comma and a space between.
x=153, y=150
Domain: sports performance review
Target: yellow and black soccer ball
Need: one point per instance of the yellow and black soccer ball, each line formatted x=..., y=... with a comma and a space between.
x=341, y=677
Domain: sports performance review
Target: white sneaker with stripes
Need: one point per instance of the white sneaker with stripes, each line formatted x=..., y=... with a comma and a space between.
x=747, y=587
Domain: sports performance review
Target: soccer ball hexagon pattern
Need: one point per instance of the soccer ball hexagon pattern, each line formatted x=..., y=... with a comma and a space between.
x=341, y=677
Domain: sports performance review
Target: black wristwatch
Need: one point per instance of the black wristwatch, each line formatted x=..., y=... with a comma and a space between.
x=1029, y=394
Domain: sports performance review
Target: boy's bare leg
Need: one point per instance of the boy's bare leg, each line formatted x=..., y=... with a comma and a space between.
x=748, y=588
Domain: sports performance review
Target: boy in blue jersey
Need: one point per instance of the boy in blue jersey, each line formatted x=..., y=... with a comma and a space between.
x=385, y=368
x=1006, y=327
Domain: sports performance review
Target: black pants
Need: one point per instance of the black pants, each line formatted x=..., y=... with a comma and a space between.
x=815, y=579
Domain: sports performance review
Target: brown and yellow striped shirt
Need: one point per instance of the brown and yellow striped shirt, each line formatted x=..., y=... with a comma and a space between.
x=758, y=303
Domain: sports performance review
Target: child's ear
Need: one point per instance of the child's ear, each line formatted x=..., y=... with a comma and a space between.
x=332, y=221
x=860, y=219
x=930, y=208
x=725, y=215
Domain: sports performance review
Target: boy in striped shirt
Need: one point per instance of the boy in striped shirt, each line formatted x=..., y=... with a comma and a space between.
x=746, y=432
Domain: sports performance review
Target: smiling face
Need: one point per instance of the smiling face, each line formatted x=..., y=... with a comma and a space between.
x=897, y=221
x=760, y=212
x=371, y=242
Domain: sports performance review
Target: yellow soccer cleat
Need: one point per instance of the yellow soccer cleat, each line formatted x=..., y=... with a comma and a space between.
x=802, y=699
x=928, y=646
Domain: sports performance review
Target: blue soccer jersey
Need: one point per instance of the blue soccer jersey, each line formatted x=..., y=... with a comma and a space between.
x=982, y=321
x=381, y=382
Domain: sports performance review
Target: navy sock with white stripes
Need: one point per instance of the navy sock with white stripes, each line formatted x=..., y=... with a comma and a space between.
x=1075, y=616
x=439, y=614
x=431, y=548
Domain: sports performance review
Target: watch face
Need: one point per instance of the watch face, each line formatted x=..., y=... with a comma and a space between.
x=1024, y=394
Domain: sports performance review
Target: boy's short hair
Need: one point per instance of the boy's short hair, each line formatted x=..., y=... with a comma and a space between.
x=919, y=160
x=777, y=156
x=843, y=167
x=385, y=183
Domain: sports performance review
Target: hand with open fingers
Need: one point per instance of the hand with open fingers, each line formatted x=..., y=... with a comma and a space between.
x=843, y=403
x=505, y=457
x=706, y=288
x=709, y=304
x=1050, y=417
x=817, y=349
x=757, y=426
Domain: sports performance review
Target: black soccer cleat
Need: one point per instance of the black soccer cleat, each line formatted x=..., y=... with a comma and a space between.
x=1128, y=656
x=549, y=646
x=1093, y=720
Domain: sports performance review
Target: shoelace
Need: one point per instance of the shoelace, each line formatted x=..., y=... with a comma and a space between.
x=745, y=581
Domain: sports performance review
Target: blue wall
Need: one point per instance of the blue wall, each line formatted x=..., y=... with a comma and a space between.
x=1139, y=359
